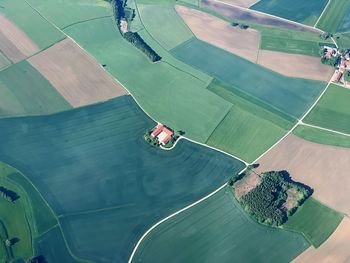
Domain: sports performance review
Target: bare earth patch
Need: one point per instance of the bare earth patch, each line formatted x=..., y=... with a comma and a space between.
x=324, y=168
x=295, y=65
x=76, y=76
x=292, y=199
x=238, y=13
x=245, y=185
x=242, y=3
x=206, y=27
x=335, y=250
x=14, y=43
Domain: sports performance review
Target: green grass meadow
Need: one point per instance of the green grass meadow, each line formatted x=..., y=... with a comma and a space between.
x=38, y=29
x=291, y=96
x=218, y=230
x=64, y=13
x=169, y=94
x=316, y=221
x=164, y=24
x=4, y=62
x=332, y=111
x=322, y=137
x=250, y=127
x=24, y=91
x=336, y=18
x=305, y=12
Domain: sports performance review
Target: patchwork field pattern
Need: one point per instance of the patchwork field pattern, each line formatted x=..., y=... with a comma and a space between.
x=164, y=24
x=322, y=136
x=206, y=27
x=335, y=249
x=336, y=17
x=250, y=127
x=215, y=229
x=289, y=95
x=75, y=75
x=24, y=91
x=332, y=111
x=39, y=30
x=324, y=168
x=295, y=65
x=316, y=221
x=306, y=12
x=101, y=149
x=164, y=91
x=14, y=43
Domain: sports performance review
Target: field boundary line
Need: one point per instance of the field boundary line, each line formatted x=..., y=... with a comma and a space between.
x=325, y=8
x=86, y=20
x=324, y=129
x=174, y=214
x=270, y=15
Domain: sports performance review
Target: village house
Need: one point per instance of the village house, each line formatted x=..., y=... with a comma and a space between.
x=162, y=133
x=330, y=52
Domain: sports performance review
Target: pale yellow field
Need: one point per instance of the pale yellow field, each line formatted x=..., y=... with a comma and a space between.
x=75, y=75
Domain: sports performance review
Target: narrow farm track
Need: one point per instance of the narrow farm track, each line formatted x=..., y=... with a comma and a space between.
x=319, y=18
x=324, y=129
x=300, y=122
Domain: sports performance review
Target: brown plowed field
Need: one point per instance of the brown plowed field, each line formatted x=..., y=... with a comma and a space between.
x=242, y=3
x=206, y=27
x=75, y=75
x=335, y=250
x=14, y=43
x=324, y=168
x=295, y=65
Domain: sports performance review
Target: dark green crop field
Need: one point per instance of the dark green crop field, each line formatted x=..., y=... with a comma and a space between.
x=24, y=91
x=290, y=95
x=93, y=166
x=306, y=12
x=336, y=17
x=217, y=230
x=316, y=221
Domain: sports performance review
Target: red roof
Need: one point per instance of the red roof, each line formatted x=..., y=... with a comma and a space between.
x=167, y=131
x=157, y=130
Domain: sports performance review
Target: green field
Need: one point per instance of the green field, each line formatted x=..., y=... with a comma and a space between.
x=332, y=111
x=4, y=62
x=192, y=2
x=101, y=149
x=66, y=12
x=316, y=221
x=23, y=91
x=164, y=91
x=217, y=230
x=343, y=40
x=322, y=137
x=306, y=12
x=38, y=29
x=164, y=24
x=249, y=128
x=335, y=17
x=289, y=95
x=28, y=217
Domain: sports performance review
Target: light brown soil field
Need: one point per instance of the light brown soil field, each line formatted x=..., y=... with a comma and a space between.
x=242, y=3
x=238, y=13
x=324, y=168
x=206, y=27
x=335, y=250
x=248, y=183
x=76, y=76
x=14, y=43
x=295, y=65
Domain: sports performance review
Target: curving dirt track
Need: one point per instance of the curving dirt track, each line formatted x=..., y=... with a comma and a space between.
x=335, y=250
x=206, y=27
x=14, y=43
x=295, y=65
x=324, y=168
x=76, y=76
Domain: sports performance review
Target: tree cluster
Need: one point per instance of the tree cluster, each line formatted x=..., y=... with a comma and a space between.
x=135, y=39
x=8, y=194
x=265, y=202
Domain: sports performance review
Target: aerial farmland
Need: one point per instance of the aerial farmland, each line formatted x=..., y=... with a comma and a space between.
x=174, y=131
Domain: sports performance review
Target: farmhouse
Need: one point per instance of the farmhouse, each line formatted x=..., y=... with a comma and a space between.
x=330, y=52
x=162, y=133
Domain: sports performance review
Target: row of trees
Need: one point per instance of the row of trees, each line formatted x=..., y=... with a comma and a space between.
x=265, y=202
